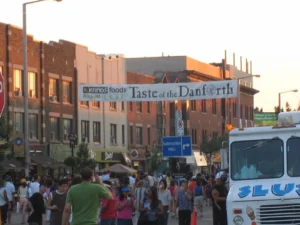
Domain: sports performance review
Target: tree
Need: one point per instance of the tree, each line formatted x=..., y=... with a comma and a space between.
x=156, y=160
x=298, y=107
x=6, y=149
x=276, y=109
x=258, y=109
x=212, y=145
x=287, y=107
x=82, y=159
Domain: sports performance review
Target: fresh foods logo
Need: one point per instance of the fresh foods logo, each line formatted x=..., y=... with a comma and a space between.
x=159, y=92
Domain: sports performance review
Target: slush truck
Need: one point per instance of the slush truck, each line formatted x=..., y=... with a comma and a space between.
x=264, y=168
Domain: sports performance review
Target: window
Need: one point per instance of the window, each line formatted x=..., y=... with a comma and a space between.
x=54, y=129
x=251, y=113
x=18, y=83
x=19, y=122
x=203, y=106
x=33, y=126
x=123, y=134
x=67, y=128
x=139, y=107
x=32, y=85
x=84, y=103
x=149, y=135
x=194, y=136
x=130, y=106
x=67, y=92
x=293, y=157
x=122, y=106
x=53, y=90
x=215, y=135
x=139, y=135
x=113, y=134
x=96, y=104
x=131, y=134
x=204, y=135
x=193, y=105
x=148, y=107
x=96, y=132
x=85, y=130
x=257, y=159
x=234, y=110
x=214, y=106
x=113, y=105
x=242, y=116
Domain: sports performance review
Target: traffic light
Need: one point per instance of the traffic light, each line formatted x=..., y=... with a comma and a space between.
x=229, y=127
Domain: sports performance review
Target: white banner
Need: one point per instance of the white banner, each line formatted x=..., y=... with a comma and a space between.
x=158, y=92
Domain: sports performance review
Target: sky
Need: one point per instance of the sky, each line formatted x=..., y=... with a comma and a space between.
x=265, y=32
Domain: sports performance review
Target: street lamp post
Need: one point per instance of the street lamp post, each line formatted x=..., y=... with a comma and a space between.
x=239, y=98
x=72, y=139
x=25, y=88
x=279, y=98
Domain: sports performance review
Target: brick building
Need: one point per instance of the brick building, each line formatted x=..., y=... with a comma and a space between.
x=201, y=117
x=142, y=122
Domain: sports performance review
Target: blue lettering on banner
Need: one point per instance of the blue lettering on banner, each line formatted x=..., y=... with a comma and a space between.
x=276, y=189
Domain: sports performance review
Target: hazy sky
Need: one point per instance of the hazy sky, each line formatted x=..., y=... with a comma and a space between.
x=264, y=31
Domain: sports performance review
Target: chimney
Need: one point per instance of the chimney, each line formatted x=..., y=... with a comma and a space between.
x=233, y=59
x=247, y=69
x=251, y=67
x=241, y=63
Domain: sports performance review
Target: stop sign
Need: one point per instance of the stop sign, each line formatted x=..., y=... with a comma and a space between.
x=2, y=94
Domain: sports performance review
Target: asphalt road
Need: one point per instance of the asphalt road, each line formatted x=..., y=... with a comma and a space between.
x=205, y=220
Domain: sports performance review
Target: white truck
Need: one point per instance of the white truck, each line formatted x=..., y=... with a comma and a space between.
x=264, y=171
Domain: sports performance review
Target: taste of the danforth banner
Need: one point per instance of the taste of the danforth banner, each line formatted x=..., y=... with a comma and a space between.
x=158, y=92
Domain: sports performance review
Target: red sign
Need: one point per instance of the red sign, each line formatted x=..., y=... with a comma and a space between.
x=2, y=94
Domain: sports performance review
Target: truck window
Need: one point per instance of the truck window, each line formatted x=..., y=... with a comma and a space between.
x=293, y=157
x=257, y=159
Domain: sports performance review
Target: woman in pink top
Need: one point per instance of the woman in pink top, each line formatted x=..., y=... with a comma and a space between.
x=125, y=207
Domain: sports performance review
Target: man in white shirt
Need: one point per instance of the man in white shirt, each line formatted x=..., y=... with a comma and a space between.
x=10, y=190
x=35, y=186
x=131, y=180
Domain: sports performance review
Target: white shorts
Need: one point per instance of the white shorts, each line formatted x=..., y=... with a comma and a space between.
x=199, y=201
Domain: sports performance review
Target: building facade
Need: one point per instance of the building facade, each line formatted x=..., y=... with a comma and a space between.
x=102, y=125
x=202, y=118
x=141, y=124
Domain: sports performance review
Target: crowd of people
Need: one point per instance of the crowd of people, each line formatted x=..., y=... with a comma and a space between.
x=109, y=199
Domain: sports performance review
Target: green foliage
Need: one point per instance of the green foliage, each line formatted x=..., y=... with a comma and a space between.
x=213, y=145
x=288, y=107
x=258, y=109
x=6, y=149
x=82, y=159
x=156, y=160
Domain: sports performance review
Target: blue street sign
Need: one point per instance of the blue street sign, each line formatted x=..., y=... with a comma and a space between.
x=177, y=146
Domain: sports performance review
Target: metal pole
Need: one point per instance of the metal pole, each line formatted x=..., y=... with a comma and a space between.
x=25, y=92
x=72, y=156
x=239, y=104
x=103, y=106
x=279, y=103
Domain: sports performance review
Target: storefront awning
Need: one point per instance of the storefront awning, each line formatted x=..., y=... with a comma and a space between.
x=196, y=159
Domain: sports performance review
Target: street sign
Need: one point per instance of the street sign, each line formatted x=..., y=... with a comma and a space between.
x=180, y=128
x=2, y=94
x=177, y=146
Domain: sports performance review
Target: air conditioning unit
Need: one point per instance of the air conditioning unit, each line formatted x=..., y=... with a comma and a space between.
x=53, y=98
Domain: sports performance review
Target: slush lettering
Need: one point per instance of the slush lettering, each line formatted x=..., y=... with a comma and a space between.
x=259, y=191
x=276, y=190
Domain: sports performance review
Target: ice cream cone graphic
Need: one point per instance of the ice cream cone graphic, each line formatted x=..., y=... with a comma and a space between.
x=250, y=213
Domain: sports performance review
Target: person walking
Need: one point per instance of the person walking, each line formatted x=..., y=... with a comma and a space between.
x=164, y=195
x=198, y=198
x=84, y=200
x=125, y=207
x=108, y=213
x=4, y=202
x=37, y=207
x=56, y=202
x=23, y=198
x=184, y=203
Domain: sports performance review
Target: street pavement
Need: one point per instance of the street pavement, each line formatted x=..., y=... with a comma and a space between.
x=205, y=220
